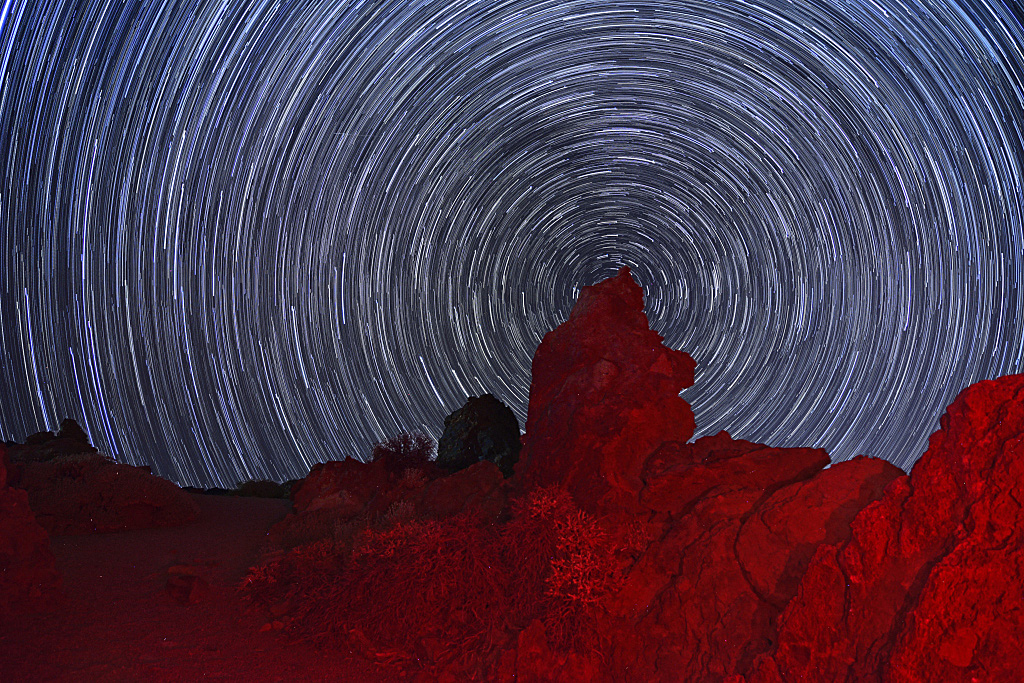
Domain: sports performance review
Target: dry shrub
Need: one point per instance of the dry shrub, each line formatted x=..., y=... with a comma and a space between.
x=409, y=450
x=568, y=566
x=448, y=594
x=309, y=527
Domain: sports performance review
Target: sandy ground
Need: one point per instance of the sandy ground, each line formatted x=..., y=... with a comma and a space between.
x=118, y=622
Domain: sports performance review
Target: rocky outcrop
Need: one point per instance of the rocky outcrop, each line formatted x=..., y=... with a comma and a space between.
x=604, y=397
x=731, y=526
x=69, y=440
x=337, y=499
x=927, y=586
x=621, y=551
x=72, y=488
x=483, y=429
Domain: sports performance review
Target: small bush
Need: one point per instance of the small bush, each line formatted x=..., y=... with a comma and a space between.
x=405, y=451
x=261, y=489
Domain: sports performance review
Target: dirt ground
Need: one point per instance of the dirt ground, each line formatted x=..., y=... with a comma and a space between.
x=117, y=620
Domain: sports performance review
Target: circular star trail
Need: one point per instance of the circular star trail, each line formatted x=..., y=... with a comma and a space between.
x=243, y=237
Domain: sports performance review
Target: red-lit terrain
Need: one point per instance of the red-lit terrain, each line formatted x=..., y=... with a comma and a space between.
x=119, y=622
x=617, y=551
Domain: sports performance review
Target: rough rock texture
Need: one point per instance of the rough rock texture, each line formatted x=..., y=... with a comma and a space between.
x=927, y=587
x=90, y=493
x=348, y=485
x=735, y=525
x=483, y=429
x=74, y=489
x=69, y=440
x=28, y=577
x=604, y=397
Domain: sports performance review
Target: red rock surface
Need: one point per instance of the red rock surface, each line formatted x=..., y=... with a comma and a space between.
x=927, y=587
x=699, y=546
x=604, y=397
x=337, y=499
x=734, y=526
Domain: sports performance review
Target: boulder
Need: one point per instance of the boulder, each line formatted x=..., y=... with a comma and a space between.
x=483, y=429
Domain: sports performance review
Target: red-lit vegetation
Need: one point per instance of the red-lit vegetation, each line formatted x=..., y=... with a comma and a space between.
x=447, y=594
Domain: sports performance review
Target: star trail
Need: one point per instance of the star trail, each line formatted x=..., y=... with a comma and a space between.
x=243, y=237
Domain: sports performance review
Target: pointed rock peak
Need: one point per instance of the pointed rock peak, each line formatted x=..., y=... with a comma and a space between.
x=620, y=290
x=604, y=397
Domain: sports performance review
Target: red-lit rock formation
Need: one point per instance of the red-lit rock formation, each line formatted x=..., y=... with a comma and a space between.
x=338, y=498
x=604, y=397
x=28, y=577
x=732, y=524
x=620, y=552
x=927, y=587
x=735, y=525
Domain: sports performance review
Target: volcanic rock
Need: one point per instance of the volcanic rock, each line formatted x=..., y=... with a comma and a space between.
x=337, y=498
x=90, y=493
x=603, y=398
x=731, y=525
x=927, y=587
x=483, y=429
x=347, y=486
x=478, y=487
x=72, y=488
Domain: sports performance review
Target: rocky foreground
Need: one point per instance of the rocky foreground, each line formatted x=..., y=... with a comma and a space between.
x=616, y=549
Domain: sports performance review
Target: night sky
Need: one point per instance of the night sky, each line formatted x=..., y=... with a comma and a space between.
x=243, y=237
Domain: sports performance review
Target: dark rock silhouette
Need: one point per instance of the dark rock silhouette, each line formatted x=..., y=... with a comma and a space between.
x=70, y=440
x=72, y=431
x=483, y=429
x=72, y=488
